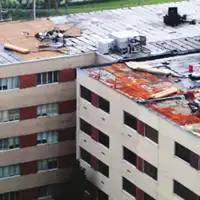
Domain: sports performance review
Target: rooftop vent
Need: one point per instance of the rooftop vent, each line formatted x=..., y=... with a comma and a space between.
x=174, y=19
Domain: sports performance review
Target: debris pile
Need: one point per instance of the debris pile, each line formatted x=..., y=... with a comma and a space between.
x=37, y=39
x=155, y=87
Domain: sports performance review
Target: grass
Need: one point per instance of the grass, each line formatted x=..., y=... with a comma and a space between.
x=107, y=5
x=111, y=5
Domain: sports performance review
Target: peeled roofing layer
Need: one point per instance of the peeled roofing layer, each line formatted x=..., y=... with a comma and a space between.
x=138, y=84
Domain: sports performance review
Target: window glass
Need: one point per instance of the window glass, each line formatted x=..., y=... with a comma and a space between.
x=130, y=120
x=150, y=170
x=85, y=93
x=151, y=133
x=47, y=78
x=104, y=104
x=129, y=187
x=103, y=139
x=184, y=192
x=129, y=156
x=182, y=152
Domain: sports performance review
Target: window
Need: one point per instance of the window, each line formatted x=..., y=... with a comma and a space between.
x=46, y=164
x=47, y=78
x=104, y=104
x=182, y=152
x=47, y=110
x=9, y=83
x=129, y=187
x=130, y=121
x=45, y=191
x=147, y=197
x=103, y=139
x=50, y=137
x=85, y=93
x=150, y=170
x=9, y=196
x=86, y=156
x=151, y=133
x=129, y=156
x=184, y=192
x=9, y=171
x=9, y=143
x=101, y=195
x=9, y=115
x=103, y=168
x=85, y=127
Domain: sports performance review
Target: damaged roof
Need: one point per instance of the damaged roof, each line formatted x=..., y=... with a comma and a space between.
x=164, y=86
x=95, y=26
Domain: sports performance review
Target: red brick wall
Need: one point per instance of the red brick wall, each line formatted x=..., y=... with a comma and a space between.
x=67, y=75
x=27, y=81
x=67, y=134
x=139, y=194
x=95, y=133
x=140, y=127
x=28, y=168
x=29, y=194
x=28, y=113
x=67, y=106
x=94, y=99
x=140, y=164
x=28, y=140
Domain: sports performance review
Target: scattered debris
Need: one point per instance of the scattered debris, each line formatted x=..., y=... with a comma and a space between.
x=142, y=66
x=173, y=18
x=16, y=48
x=165, y=93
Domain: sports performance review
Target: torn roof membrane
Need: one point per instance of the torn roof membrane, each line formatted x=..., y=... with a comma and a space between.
x=165, y=89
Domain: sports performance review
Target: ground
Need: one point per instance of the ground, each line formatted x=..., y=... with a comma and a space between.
x=111, y=5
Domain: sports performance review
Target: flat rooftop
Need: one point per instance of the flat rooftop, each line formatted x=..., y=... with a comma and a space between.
x=95, y=26
x=163, y=85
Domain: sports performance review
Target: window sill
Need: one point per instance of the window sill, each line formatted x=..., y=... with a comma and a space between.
x=47, y=170
x=4, y=151
x=48, y=116
x=151, y=141
x=44, y=144
x=128, y=195
x=9, y=122
x=9, y=90
x=9, y=177
x=47, y=197
x=176, y=197
x=43, y=85
x=183, y=161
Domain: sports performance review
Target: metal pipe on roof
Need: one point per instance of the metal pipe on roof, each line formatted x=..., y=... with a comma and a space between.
x=167, y=54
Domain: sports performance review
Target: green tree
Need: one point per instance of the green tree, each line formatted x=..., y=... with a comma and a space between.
x=79, y=181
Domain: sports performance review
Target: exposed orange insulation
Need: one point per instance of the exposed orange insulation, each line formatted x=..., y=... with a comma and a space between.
x=142, y=85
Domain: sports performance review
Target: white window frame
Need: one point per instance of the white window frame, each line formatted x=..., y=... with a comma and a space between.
x=9, y=115
x=6, y=143
x=51, y=137
x=46, y=74
x=43, y=164
x=47, y=110
x=9, y=171
x=10, y=83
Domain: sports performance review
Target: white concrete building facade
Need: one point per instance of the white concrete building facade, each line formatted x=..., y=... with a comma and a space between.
x=130, y=152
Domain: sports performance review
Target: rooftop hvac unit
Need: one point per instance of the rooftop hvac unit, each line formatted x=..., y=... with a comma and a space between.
x=122, y=38
x=105, y=45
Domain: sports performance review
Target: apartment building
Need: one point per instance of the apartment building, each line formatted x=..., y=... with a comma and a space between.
x=38, y=126
x=132, y=150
